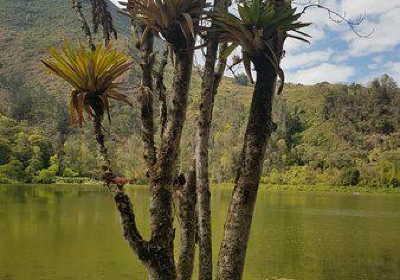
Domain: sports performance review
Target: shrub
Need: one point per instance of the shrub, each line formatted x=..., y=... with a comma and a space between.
x=351, y=176
x=13, y=170
x=69, y=173
x=395, y=183
x=46, y=176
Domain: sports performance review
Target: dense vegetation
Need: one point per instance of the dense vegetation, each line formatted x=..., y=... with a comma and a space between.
x=326, y=134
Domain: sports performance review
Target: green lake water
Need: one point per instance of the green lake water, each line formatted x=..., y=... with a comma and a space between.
x=70, y=232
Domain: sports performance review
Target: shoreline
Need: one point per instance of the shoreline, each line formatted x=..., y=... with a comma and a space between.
x=357, y=190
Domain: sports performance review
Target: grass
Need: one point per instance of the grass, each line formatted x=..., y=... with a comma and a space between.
x=87, y=182
x=316, y=188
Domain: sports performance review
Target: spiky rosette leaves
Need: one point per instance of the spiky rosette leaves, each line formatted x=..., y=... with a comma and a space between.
x=255, y=29
x=92, y=74
x=175, y=20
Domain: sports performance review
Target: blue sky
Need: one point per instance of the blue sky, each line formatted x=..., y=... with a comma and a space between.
x=336, y=54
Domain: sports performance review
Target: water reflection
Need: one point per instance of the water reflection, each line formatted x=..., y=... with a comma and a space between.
x=68, y=232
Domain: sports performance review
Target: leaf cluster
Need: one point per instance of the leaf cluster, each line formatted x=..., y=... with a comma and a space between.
x=255, y=28
x=258, y=22
x=177, y=21
x=92, y=74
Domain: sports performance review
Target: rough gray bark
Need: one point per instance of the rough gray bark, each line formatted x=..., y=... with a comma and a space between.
x=232, y=253
x=145, y=100
x=209, y=88
x=187, y=201
x=231, y=258
x=161, y=187
x=161, y=90
x=129, y=229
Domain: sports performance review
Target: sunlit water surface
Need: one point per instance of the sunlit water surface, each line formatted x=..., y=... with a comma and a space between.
x=70, y=232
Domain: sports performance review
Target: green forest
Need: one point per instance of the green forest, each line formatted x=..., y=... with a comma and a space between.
x=327, y=134
x=334, y=135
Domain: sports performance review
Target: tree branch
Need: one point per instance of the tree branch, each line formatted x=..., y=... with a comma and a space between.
x=220, y=69
x=122, y=201
x=340, y=18
x=129, y=229
x=77, y=5
x=101, y=16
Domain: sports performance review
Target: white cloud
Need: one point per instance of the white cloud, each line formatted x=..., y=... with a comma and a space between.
x=325, y=72
x=354, y=8
x=337, y=44
x=378, y=59
x=116, y=2
x=373, y=66
x=393, y=70
x=306, y=59
x=315, y=31
x=385, y=37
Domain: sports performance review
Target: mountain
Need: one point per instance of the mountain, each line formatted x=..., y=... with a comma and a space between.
x=28, y=28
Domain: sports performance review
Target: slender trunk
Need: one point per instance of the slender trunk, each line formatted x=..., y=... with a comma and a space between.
x=122, y=201
x=221, y=67
x=161, y=90
x=98, y=131
x=232, y=253
x=187, y=202
x=208, y=90
x=201, y=156
x=145, y=99
x=161, y=244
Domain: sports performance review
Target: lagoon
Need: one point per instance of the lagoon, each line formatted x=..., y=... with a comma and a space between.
x=72, y=232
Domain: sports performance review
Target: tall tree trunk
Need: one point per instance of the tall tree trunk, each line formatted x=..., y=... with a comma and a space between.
x=145, y=100
x=232, y=253
x=187, y=201
x=161, y=244
x=209, y=88
x=201, y=156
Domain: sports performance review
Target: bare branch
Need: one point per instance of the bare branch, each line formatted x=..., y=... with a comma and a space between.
x=230, y=67
x=101, y=16
x=77, y=5
x=341, y=18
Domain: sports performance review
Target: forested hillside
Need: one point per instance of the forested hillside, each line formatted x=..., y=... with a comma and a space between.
x=326, y=134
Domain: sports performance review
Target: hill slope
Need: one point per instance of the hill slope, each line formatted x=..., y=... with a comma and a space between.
x=29, y=28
